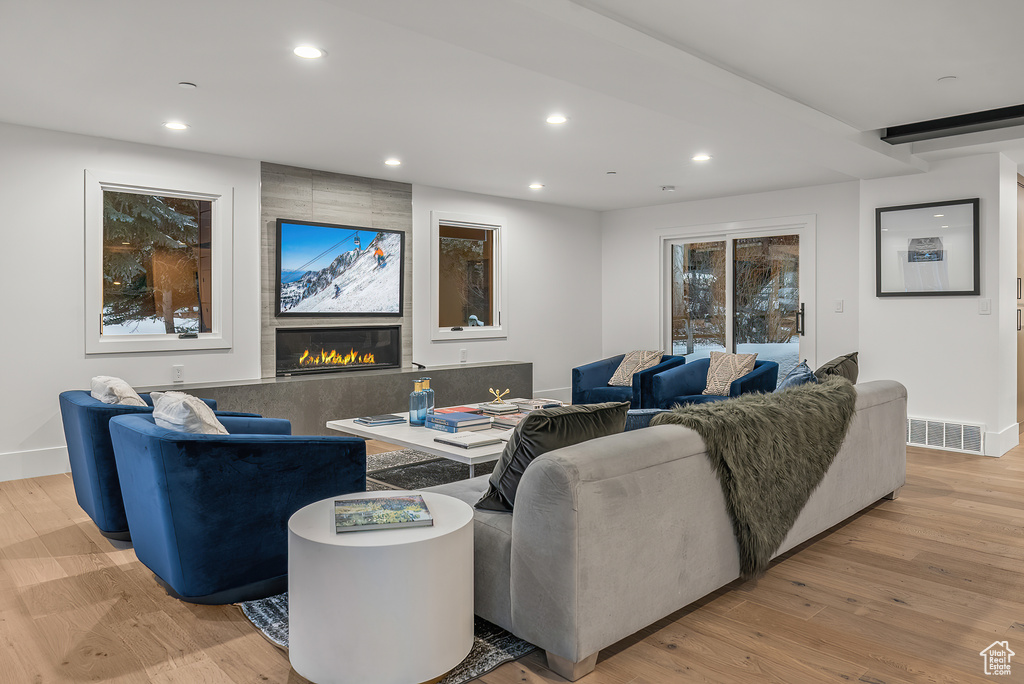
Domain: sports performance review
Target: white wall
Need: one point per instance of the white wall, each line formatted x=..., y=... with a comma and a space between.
x=957, y=364
x=554, y=304
x=42, y=344
x=631, y=261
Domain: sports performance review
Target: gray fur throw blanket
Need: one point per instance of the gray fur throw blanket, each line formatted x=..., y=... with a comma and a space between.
x=770, y=451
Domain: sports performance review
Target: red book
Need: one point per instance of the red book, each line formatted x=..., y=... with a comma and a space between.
x=458, y=409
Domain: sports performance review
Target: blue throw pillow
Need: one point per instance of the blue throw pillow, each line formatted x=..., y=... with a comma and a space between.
x=798, y=376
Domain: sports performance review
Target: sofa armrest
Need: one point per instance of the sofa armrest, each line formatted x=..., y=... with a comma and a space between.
x=583, y=517
x=763, y=378
x=591, y=375
x=643, y=381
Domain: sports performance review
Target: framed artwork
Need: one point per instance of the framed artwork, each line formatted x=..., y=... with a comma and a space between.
x=929, y=249
x=325, y=269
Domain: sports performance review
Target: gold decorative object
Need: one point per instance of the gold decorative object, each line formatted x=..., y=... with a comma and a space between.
x=497, y=396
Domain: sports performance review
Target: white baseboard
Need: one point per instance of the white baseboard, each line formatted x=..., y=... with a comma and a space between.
x=563, y=394
x=18, y=465
x=998, y=443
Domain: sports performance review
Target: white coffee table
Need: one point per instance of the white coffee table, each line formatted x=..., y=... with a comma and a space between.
x=381, y=606
x=422, y=439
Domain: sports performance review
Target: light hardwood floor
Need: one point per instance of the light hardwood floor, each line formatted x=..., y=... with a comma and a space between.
x=908, y=591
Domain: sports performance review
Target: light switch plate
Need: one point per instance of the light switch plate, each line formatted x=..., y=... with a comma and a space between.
x=837, y=306
x=984, y=306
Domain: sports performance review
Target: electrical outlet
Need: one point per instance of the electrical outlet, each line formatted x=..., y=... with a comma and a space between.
x=837, y=306
x=463, y=355
x=178, y=373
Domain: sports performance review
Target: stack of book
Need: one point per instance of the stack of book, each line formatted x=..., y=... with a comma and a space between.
x=374, y=421
x=468, y=440
x=457, y=422
x=501, y=409
x=507, y=422
x=527, y=405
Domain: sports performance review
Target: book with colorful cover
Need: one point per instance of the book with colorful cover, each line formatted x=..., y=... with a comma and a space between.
x=458, y=419
x=385, y=512
x=458, y=409
x=457, y=428
x=468, y=440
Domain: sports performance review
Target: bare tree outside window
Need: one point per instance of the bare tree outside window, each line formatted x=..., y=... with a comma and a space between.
x=156, y=264
x=698, y=297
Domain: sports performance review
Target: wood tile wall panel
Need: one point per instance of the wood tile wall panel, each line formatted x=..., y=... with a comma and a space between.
x=308, y=195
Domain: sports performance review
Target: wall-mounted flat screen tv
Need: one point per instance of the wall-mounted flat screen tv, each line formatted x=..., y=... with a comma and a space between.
x=324, y=269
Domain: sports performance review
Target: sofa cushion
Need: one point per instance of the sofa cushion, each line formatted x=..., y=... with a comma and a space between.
x=634, y=362
x=111, y=390
x=844, y=366
x=492, y=553
x=726, y=368
x=801, y=374
x=543, y=431
x=185, y=413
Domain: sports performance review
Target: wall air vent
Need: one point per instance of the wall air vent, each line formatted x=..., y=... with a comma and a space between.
x=939, y=434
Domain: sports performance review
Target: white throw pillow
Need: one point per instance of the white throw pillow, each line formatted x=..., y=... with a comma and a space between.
x=185, y=413
x=112, y=390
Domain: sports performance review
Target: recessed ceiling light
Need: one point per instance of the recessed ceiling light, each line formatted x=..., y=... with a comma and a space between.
x=309, y=52
x=187, y=85
x=945, y=226
x=939, y=215
x=536, y=186
x=393, y=162
x=701, y=157
x=175, y=125
x=557, y=119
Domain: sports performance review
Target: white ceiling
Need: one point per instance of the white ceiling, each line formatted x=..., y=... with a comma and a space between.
x=782, y=94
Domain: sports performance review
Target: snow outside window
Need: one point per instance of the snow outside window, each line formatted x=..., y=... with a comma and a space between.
x=158, y=259
x=467, y=277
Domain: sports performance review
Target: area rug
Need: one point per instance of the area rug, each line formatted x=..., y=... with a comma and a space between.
x=410, y=469
x=492, y=645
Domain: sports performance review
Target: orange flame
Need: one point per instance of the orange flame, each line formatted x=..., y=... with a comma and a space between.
x=333, y=358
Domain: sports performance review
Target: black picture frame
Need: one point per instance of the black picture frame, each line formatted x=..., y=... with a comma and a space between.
x=322, y=276
x=931, y=249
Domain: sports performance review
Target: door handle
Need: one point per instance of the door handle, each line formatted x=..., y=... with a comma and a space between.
x=801, y=321
x=1018, y=320
x=1018, y=288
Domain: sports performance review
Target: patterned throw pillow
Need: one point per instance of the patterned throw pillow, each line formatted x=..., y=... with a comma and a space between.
x=726, y=368
x=633, y=362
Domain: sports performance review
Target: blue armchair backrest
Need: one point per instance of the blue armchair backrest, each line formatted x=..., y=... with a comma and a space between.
x=92, y=456
x=208, y=513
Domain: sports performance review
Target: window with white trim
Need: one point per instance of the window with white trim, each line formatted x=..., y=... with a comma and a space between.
x=158, y=265
x=468, y=292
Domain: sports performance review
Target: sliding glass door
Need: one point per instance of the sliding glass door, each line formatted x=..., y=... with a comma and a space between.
x=739, y=293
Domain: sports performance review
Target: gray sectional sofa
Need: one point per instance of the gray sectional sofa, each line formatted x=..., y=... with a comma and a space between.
x=613, y=534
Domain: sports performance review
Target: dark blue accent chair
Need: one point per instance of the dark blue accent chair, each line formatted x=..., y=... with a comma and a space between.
x=92, y=456
x=685, y=384
x=209, y=513
x=590, y=382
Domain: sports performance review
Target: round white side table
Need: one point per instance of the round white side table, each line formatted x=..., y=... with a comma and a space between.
x=382, y=606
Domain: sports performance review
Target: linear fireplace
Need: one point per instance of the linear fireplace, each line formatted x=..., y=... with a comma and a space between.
x=327, y=350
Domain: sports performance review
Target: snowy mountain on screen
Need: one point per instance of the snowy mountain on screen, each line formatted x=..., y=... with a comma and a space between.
x=362, y=285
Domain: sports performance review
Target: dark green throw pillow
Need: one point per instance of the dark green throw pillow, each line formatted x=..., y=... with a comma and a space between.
x=844, y=366
x=543, y=431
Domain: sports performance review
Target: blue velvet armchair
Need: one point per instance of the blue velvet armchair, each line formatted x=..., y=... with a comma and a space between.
x=685, y=384
x=93, y=471
x=590, y=382
x=208, y=514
